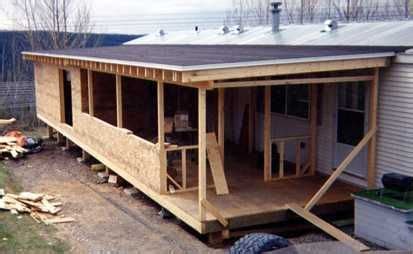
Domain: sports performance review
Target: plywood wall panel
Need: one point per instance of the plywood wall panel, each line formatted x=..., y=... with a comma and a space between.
x=138, y=157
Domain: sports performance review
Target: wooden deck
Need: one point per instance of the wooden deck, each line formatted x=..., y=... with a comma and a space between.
x=252, y=201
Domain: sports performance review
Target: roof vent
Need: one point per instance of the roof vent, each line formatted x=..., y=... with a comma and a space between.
x=162, y=32
x=225, y=29
x=275, y=10
x=197, y=29
x=409, y=52
x=330, y=25
x=240, y=29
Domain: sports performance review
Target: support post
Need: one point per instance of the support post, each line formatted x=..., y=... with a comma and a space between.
x=313, y=128
x=267, y=134
x=221, y=123
x=202, y=182
x=371, y=160
x=119, y=101
x=50, y=132
x=161, y=138
x=90, y=92
x=251, y=120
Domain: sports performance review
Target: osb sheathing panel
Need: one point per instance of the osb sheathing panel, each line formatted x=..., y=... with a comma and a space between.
x=136, y=156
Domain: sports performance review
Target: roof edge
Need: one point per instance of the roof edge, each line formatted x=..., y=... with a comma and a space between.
x=218, y=66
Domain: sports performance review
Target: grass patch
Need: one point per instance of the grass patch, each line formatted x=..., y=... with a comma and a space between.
x=24, y=235
x=389, y=198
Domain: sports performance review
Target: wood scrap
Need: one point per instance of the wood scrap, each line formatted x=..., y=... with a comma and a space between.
x=10, y=145
x=38, y=205
x=7, y=121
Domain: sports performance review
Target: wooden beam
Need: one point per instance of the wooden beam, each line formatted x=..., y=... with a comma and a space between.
x=161, y=138
x=202, y=181
x=313, y=128
x=251, y=120
x=281, y=147
x=215, y=212
x=267, y=134
x=371, y=160
x=184, y=168
x=119, y=101
x=215, y=163
x=343, y=165
x=221, y=123
x=328, y=228
x=297, y=81
x=282, y=69
x=90, y=92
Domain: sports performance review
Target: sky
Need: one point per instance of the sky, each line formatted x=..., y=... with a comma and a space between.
x=143, y=16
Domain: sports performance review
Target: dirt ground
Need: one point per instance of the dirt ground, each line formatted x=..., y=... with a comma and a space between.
x=107, y=220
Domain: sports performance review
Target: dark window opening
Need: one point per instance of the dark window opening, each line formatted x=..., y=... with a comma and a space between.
x=140, y=107
x=84, y=91
x=67, y=97
x=287, y=100
x=104, y=97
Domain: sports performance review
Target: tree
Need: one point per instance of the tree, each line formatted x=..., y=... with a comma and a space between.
x=54, y=23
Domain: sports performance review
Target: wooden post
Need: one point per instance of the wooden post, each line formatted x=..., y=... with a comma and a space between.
x=202, y=182
x=281, y=147
x=161, y=138
x=221, y=122
x=251, y=120
x=313, y=128
x=50, y=132
x=184, y=170
x=90, y=92
x=371, y=160
x=298, y=158
x=267, y=134
x=62, y=96
x=119, y=101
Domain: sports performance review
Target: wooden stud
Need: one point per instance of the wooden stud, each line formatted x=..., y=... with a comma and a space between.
x=184, y=168
x=215, y=163
x=251, y=120
x=267, y=134
x=282, y=158
x=161, y=137
x=296, y=81
x=119, y=101
x=90, y=92
x=343, y=165
x=313, y=128
x=202, y=181
x=371, y=160
x=214, y=211
x=328, y=228
x=221, y=123
x=298, y=158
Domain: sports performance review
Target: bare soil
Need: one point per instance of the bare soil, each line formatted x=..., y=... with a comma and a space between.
x=107, y=220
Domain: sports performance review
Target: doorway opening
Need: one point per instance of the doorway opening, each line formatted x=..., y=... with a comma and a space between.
x=67, y=98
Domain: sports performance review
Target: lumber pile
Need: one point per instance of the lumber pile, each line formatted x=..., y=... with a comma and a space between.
x=41, y=207
x=9, y=146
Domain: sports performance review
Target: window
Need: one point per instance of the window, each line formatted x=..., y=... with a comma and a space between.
x=351, y=107
x=104, y=97
x=287, y=100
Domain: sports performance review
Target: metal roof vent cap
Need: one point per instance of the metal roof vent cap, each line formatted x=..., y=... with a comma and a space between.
x=162, y=32
x=225, y=29
x=275, y=11
x=240, y=29
x=330, y=25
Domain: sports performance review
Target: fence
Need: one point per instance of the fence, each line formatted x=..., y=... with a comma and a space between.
x=17, y=99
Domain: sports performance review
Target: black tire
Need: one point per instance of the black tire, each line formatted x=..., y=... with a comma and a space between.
x=258, y=243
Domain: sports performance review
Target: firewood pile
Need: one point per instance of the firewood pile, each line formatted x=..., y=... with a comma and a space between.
x=41, y=207
x=10, y=146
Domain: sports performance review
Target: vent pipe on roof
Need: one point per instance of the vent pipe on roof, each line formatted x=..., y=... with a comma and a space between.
x=275, y=10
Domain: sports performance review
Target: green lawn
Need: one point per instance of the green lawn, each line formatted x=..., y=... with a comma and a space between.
x=24, y=235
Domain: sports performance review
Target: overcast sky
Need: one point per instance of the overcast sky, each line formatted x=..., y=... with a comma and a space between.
x=144, y=16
